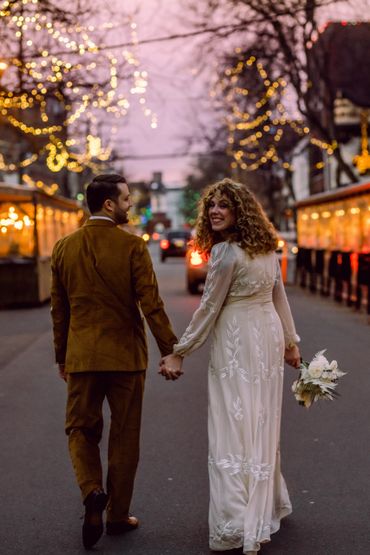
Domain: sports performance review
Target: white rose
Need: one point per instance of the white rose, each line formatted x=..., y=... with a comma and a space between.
x=323, y=361
x=316, y=368
x=333, y=365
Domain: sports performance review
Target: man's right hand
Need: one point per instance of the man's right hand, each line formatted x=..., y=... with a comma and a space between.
x=62, y=371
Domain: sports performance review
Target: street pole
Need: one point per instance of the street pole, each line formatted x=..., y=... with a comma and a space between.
x=20, y=86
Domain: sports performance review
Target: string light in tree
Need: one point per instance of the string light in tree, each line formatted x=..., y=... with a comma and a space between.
x=60, y=72
x=254, y=134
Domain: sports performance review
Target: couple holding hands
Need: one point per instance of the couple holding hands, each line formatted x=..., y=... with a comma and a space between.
x=103, y=284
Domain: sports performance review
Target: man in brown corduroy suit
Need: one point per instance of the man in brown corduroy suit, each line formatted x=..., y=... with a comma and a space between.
x=102, y=284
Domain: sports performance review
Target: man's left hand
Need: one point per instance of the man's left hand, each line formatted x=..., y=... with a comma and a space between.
x=170, y=367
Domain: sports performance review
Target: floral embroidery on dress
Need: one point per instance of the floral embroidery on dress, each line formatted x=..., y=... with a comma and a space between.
x=261, y=532
x=238, y=409
x=188, y=333
x=261, y=417
x=236, y=464
x=217, y=255
x=225, y=533
x=258, y=336
x=264, y=372
x=233, y=350
x=243, y=282
x=240, y=282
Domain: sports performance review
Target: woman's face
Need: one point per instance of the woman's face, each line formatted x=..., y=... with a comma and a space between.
x=221, y=214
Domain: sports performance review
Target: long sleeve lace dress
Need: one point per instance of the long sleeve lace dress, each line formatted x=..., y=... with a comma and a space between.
x=245, y=309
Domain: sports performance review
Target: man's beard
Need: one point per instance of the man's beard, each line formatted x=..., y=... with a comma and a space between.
x=120, y=217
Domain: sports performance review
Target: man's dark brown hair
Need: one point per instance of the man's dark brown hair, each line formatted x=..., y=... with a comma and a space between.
x=101, y=188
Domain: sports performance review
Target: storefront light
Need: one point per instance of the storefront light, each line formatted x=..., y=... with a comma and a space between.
x=326, y=214
x=340, y=212
x=314, y=216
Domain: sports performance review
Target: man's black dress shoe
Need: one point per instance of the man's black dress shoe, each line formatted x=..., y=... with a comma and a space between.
x=123, y=526
x=92, y=527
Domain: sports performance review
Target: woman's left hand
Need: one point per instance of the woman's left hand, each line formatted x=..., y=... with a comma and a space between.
x=170, y=367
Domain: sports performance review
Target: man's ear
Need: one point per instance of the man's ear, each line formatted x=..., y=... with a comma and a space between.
x=108, y=205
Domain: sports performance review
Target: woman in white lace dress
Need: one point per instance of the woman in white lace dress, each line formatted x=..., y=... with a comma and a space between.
x=245, y=309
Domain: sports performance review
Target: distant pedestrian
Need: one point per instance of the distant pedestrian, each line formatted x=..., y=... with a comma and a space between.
x=245, y=309
x=102, y=283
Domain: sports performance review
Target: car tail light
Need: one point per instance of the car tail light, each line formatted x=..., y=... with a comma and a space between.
x=196, y=258
x=164, y=244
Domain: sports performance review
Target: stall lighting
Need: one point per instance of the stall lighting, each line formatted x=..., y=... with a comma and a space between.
x=355, y=210
x=340, y=212
x=326, y=214
x=314, y=216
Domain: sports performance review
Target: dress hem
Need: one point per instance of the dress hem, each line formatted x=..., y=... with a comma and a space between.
x=285, y=511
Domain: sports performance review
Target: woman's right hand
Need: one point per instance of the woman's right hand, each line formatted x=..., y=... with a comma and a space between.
x=292, y=356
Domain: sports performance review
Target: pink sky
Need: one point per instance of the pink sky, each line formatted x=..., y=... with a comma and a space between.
x=172, y=94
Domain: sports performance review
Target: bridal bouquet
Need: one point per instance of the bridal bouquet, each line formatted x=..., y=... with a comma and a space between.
x=317, y=380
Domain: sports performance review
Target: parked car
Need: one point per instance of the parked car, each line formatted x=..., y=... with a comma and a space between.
x=174, y=243
x=196, y=270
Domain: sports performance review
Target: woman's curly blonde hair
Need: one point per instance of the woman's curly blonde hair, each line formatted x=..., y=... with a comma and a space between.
x=252, y=230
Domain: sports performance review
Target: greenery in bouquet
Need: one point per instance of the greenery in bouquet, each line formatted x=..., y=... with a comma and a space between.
x=318, y=379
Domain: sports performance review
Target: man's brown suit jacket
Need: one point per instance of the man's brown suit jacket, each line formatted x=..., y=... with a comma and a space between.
x=102, y=284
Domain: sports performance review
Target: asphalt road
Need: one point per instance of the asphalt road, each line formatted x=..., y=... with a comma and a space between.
x=325, y=449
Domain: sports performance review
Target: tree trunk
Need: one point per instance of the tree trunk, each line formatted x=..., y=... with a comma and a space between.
x=344, y=168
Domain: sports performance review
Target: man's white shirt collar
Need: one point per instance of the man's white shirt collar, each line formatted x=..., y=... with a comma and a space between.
x=102, y=218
